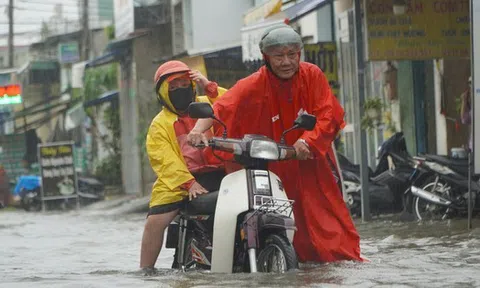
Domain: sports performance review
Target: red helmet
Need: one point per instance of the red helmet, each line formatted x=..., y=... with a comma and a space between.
x=168, y=68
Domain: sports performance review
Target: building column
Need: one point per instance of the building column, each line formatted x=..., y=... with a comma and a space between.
x=131, y=167
x=407, y=105
x=440, y=121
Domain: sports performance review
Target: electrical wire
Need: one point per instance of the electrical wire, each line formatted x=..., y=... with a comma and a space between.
x=38, y=2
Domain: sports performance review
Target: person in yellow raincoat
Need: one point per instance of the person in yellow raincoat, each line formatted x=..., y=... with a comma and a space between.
x=182, y=170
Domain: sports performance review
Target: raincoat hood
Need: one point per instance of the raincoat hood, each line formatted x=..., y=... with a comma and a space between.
x=164, y=96
x=166, y=157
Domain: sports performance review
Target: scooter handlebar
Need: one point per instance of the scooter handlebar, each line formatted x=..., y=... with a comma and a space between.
x=287, y=152
x=236, y=146
x=200, y=146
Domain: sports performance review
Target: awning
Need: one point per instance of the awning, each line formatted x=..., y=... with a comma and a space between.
x=43, y=65
x=301, y=9
x=102, y=60
x=105, y=97
x=251, y=34
x=116, y=49
x=192, y=53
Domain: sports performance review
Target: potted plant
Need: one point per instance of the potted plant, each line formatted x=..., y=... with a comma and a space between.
x=373, y=111
x=373, y=107
x=367, y=123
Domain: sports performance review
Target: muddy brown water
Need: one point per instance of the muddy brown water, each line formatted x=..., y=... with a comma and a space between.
x=88, y=249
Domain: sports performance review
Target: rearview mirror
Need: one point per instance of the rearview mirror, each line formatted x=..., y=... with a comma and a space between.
x=306, y=121
x=303, y=121
x=200, y=110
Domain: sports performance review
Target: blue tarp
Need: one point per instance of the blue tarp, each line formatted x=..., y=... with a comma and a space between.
x=27, y=182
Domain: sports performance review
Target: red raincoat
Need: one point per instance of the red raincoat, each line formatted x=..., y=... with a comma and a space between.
x=263, y=104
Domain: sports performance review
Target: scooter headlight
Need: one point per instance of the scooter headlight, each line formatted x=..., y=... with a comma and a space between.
x=262, y=149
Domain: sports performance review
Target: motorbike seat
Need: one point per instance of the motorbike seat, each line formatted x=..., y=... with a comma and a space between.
x=447, y=160
x=458, y=165
x=204, y=204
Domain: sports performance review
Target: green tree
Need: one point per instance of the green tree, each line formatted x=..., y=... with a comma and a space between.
x=110, y=31
x=98, y=81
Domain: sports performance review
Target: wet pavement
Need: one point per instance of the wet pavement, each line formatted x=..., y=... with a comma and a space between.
x=91, y=249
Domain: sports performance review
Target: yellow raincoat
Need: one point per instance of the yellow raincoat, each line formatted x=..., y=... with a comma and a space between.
x=165, y=155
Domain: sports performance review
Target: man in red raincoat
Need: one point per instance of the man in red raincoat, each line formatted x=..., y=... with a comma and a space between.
x=267, y=102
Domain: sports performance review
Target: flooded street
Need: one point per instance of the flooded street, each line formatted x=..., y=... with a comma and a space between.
x=89, y=249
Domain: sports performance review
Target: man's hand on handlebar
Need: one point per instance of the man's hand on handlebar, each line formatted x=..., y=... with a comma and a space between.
x=195, y=138
x=302, y=150
x=195, y=190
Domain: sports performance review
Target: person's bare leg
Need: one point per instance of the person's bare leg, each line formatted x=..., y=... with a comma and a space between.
x=152, y=240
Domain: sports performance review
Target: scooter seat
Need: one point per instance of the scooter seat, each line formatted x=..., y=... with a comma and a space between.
x=458, y=165
x=447, y=161
x=204, y=204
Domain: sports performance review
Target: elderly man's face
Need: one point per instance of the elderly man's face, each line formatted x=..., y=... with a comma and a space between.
x=284, y=60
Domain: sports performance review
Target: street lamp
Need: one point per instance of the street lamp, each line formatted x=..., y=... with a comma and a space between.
x=399, y=7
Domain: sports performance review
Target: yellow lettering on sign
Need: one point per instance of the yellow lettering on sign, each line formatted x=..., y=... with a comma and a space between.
x=429, y=29
x=64, y=149
x=48, y=151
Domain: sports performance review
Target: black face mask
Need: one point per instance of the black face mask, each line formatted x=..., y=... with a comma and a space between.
x=181, y=98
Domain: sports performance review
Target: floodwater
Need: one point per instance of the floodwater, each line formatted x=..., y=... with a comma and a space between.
x=92, y=249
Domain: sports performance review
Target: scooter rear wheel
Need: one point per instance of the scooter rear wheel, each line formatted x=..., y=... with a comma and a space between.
x=31, y=204
x=277, y=255
x=425, y=210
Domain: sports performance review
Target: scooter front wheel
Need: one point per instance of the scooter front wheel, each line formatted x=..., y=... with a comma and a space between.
x=277, y=255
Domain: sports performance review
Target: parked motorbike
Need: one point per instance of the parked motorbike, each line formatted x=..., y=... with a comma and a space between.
x=381, y=197
x=248, y=225
x=28, y=193
x=90, y=190
x=389, y=184
x=445, y=193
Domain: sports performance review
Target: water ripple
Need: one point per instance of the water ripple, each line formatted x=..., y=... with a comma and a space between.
x=89, y=249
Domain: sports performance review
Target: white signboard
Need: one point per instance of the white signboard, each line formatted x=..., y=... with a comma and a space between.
x=475, y=13
x=251, y=38
x=124, y=18
x=78, y=70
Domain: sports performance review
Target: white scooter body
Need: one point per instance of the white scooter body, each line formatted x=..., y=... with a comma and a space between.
x=233, y=199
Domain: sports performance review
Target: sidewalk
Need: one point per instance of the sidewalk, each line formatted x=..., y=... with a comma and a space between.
x=122, y=204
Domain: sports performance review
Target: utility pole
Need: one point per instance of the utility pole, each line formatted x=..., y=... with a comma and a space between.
x=10, y=33
x=86, y=31
x=365, y=192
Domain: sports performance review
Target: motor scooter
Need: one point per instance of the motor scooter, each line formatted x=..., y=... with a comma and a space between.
x=248, y=225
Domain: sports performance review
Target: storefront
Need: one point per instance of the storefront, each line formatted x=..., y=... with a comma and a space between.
x=414, y=72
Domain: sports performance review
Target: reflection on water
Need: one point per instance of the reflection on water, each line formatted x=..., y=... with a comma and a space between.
x=85, y=249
